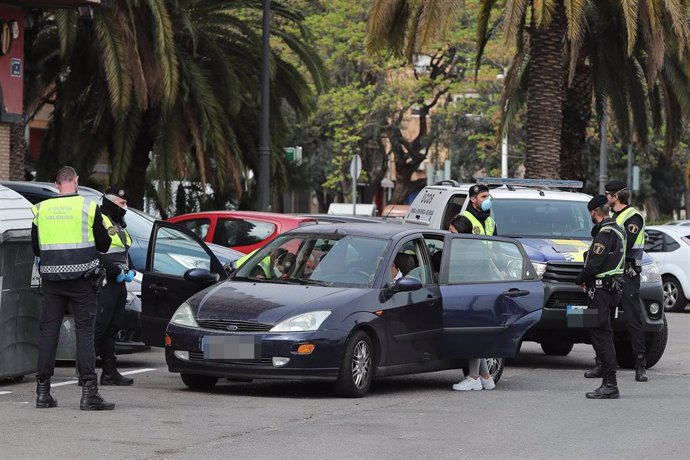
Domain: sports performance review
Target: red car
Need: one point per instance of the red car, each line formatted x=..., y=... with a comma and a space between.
x=243, y=231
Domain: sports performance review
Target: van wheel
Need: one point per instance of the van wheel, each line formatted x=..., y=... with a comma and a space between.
x=199, y=382
x=557, y=348
x=655, y=344
x=357, y=367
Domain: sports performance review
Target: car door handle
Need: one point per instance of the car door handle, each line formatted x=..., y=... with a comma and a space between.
x=158, y=288
x=515, y=293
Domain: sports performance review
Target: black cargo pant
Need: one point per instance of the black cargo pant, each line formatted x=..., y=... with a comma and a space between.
x=634, y=312
x=111, y=309
x=604, y=302
x=56, y=296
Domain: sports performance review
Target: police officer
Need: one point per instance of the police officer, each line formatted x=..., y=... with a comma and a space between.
x=113, y=297
x=602, y=277
x=476, y=219
x=67, y=234
x=630, y=220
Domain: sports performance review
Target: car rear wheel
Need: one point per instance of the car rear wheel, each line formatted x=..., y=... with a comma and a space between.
x=496, y=366
x=199, y=382
x=655, y=344
x=557, y=348
x=674, y=297
x=357, y=367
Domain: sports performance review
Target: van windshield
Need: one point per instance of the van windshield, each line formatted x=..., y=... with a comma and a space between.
x=542, y=219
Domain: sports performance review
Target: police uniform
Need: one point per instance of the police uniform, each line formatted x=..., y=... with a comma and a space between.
x=630, y=220
x=67, y=234
x=113, y=296
x=475, y=221
x=603, y=275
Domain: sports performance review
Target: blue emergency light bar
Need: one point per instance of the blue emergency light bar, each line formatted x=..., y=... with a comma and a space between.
x=514, y=182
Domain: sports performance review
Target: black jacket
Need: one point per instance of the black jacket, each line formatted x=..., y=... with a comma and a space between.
x=604, y=254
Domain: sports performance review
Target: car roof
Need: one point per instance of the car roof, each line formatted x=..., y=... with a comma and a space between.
x=381, y=230
x=47, y=189
x=677, y=230
x=334, y=218
x=256, y=214
x=520, y=192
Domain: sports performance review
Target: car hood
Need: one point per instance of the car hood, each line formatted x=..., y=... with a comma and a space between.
x=267, y=303
x=565, y=250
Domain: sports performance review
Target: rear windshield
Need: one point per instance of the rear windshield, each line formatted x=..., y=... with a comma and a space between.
x=542, y=219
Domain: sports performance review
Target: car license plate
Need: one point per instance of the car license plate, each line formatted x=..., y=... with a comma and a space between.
x=219, y=347
x=580, y=316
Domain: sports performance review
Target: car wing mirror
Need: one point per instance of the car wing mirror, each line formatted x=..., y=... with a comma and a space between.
x=405, y=284
x=201, y=275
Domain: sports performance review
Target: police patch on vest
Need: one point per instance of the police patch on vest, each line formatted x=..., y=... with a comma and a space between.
x=598, y=248
x=633, y=228
x=477, y=230
x=112, y=231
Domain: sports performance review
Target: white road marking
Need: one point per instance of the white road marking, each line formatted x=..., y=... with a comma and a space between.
x=72, y=382
x=5, y=393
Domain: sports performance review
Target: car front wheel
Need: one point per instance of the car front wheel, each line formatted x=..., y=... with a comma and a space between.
x=674, y=297
x=357, y=367
x=199, y=382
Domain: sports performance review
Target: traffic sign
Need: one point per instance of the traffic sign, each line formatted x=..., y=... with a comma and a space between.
x=356, y=167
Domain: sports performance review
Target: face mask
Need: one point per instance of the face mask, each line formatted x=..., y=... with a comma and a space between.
x=486, y=204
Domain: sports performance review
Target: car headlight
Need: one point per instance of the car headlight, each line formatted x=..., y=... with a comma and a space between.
x=540, y=268
x=183, y=316
x=302, y=323
x=190, y=261
x=650, y=273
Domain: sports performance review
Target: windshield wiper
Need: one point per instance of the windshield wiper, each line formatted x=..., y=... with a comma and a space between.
x=305, y=282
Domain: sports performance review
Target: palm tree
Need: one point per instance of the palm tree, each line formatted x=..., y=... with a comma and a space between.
x=182, y=79
x=556, y=29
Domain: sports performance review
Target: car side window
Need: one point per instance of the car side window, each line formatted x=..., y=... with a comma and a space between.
x=409, y=261
x=241, y=232
x=654, y=241
x=198, y=226
x=175, y=253
x=671, y=244
x=483, y=261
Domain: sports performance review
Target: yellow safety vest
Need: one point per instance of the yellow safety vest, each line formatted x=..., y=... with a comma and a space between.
x=117, y=253
x=265, y=263
x=65, y=237
x=477, y=227
x=638, y=246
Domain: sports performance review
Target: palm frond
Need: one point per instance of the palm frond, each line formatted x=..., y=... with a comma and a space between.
x=113, y=62
x=630, y=12
x=515, y=11
x=387, y=25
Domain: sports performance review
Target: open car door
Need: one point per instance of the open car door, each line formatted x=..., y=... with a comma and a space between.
x=178, y=265
x=491, y=296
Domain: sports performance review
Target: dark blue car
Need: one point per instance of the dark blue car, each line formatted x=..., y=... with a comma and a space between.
x=344, y=303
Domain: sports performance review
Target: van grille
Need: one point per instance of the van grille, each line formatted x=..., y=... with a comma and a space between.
x=563, y=299
x=562, y=272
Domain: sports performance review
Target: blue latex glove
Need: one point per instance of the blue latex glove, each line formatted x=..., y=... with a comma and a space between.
x=38, y=262
x=120, y=276
x=129, y=276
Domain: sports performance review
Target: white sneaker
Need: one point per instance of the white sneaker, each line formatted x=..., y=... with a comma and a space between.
x=468, y=384
x=488, y=384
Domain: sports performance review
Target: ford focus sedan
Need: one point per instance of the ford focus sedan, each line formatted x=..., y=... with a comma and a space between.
x=345, y=303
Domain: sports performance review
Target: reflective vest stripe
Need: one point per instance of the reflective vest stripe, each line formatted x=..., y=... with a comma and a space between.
x=486, y=229
x=638, y=246
x=65, y=237
x=618, y=270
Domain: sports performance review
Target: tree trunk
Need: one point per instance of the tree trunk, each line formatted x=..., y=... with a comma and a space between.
x=577, y=111
x=545, y=97
x=135, y=182
x=18, y=151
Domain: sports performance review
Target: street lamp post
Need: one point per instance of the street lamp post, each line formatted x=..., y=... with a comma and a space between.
x=263, y=179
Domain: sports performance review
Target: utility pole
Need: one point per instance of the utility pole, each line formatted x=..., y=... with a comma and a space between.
x=263, y=179
x=504, y=154
x=603, y=154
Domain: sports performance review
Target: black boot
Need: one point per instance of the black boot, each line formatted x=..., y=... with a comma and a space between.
x=596, y=372
x=608, y=388
x=43, y=398
x=640, y=371
x=111, y=376
x=91, y=400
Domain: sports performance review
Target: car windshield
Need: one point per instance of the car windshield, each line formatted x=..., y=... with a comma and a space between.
x=542, y=219
x=327, y=260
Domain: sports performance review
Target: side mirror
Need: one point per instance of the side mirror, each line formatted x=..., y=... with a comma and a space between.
x=201, y=275
x=405, y=284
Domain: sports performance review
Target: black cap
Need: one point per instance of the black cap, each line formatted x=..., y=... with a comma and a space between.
x=477, y=189
x=614, y=186
x=596, y=202
x=117, y=191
